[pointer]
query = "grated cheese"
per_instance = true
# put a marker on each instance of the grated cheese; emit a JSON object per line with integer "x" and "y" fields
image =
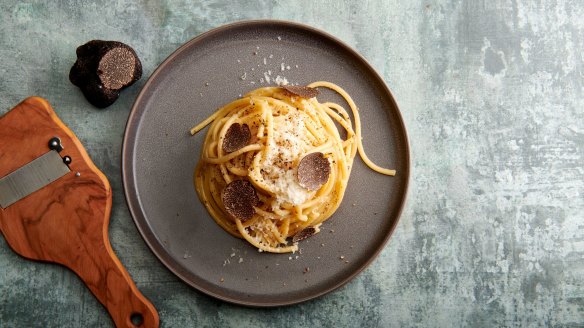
{"x": 284, "y": 149}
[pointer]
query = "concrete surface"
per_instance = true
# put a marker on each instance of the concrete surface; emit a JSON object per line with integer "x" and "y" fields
{"x": 492, "y": 95}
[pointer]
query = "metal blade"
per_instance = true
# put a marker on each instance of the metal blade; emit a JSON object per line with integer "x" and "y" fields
{"x": 31, "y": 177}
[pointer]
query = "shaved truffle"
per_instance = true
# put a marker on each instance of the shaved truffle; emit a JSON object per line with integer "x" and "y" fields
{"x": 236, "y": 137}
{"x": 239, "y": 197}
{"x": 307, "y": 232}
{"x": 313, "y": 171}
{"x": 301, "y": 91}
{"x": 103, "y": 69}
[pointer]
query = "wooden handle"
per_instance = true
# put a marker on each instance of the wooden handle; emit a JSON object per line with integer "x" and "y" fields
{"x": 67, "y": 221}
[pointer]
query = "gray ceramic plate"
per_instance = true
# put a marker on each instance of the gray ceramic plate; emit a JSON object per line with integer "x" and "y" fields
{"x": 159, "y": 157}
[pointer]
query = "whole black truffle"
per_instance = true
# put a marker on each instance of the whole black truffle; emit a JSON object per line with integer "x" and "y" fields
{"x": 103, "y": 69}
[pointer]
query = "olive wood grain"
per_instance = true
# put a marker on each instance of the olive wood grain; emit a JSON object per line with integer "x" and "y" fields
{"x": 67, "y": 221}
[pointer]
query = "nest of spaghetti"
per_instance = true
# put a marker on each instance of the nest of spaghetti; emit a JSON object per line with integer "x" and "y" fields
{"x": 274, "y": 165}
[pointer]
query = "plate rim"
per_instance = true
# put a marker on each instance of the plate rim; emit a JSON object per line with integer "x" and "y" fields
{"x": 133, "y": 201}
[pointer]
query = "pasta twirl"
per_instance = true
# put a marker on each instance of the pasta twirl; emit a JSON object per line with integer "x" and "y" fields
{"x": 283, "y": 128}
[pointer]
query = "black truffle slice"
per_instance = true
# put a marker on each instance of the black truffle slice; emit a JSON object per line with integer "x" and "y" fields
{"x": 313, "y": 171}
{"x": 307, "y": 232}
{"x": 236, "y": 137}
{"x": 239, "y": 197}
{"x": 103, "y": 69}
{"x": 301, "y": 91}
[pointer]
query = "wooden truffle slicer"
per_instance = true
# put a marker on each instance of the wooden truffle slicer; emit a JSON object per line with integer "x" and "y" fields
{"x": 55, "y": 206}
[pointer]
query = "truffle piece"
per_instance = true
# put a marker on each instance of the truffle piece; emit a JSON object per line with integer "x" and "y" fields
{"x": 103, "y": 69}
{"x": 99, "y": 96}
{"x": 307, "y": 232}
{"x": 313, "y": 171}
{"x": 301, "y": 91}
{"x": 239, "y": 197}
{"x": 236, "y": 137}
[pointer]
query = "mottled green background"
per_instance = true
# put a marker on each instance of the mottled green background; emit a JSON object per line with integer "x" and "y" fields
{"x": 492, "y": 95}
